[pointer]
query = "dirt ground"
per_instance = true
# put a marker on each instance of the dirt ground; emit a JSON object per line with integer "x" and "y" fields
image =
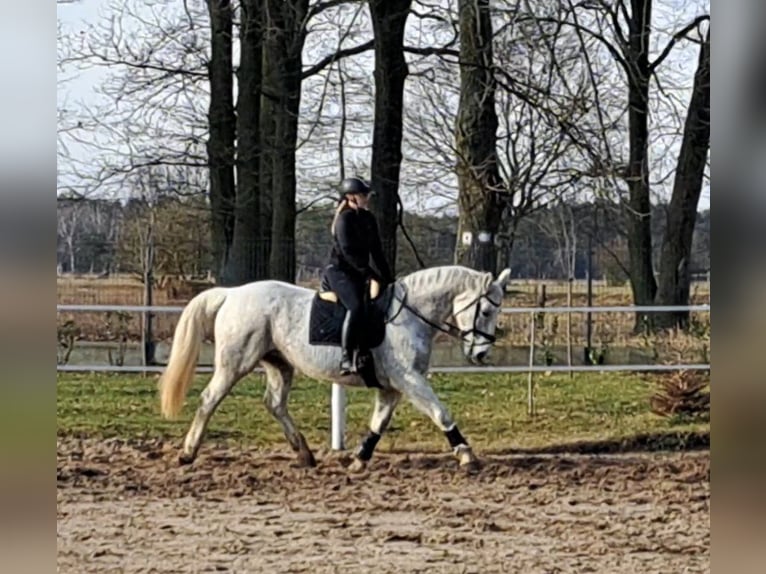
{"x": 128, "y": 507}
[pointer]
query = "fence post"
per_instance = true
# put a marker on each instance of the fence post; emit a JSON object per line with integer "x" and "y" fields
{"x": 338, "y": 415}
{"x": 589, "y": 316}
{"x": 530, "y": 376}
{"x": 147, "y": 335}
{"x": 569, "y": 324}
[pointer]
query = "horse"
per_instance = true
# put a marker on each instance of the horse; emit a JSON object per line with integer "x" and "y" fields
{"x": 266, "y": 323}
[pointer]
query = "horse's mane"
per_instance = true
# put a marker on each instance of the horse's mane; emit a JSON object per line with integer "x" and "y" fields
{"x": 443, "y": 276}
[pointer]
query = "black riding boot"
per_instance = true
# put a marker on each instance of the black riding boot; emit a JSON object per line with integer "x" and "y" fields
{"x": 347, "y": 365}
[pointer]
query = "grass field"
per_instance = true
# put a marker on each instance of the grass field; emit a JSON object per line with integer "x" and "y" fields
{"x": 491, "y": 412}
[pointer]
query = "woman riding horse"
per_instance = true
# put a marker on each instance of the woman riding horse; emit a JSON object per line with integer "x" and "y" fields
{"x": 356, "y": 240}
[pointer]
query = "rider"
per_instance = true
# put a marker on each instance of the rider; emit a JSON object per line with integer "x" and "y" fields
{"x": 355, "y": 241}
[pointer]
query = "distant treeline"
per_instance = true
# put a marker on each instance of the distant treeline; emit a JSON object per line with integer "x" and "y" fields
{"x": 102, "y": 237}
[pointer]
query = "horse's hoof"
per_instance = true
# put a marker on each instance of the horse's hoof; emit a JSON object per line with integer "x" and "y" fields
{"x": 306, "y": 459}
{"x": 357, "y": 465}
{"x": 185, "y": 459}
{"x": 471, "y": 466}
{"x": 468, "y": 461}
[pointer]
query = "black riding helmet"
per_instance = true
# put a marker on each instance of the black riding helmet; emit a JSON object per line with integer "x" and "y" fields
{"x": 353, "y": 185}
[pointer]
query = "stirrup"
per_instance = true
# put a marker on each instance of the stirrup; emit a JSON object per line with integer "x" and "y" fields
{"x": 348, "y": 365}
{"x": 363, "y": 358}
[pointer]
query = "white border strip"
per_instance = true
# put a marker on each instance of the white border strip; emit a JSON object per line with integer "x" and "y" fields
{"x": 510, "y": 310}
{"x": 488, "y": 369}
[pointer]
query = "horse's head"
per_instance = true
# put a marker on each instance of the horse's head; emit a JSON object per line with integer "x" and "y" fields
{"x": 476, "y": 311}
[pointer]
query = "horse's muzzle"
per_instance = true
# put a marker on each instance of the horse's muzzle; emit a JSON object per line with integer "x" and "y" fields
{"x": 478, "y": 357}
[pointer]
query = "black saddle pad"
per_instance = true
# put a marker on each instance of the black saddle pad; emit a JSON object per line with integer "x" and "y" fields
{"x": 326, "y": 321}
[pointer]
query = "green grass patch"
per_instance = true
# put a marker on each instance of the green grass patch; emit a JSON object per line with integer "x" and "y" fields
{"x": 491, "y": 411}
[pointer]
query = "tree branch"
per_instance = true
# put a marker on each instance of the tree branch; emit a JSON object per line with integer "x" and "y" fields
{"x": 313, "y": 202}
{"x": 616, "y": 54}
{"x": 320, "y": 7}
{"x": 676, "y": 37}
{"x": 101, "y": 60}
{"x": 327, "y": 60}
{"x": 433, "y": 50}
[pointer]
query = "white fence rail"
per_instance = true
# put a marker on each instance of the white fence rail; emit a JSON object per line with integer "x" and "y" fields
{"x": 599, "y": 309}
{"x": 338, "y": 398}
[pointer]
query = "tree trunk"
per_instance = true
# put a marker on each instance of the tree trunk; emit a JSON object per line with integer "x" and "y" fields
{"x": 388, "y": 21}
{"x": 283, "y": 39}
{"x": 220, "y": 145}
{"x": 70, "y": 247}
{"x": 639, "y": 206}
{"x": 475, "y": 140}
{"x": 675, "y": 256}
{"x": 247, "y": 260}
{"x": 267, "y": 137}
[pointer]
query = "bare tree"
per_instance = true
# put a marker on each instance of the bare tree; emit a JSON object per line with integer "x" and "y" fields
{"x": 476, "y": 139}
{"x": 559, "y": 223}
{"x": 68, "y": 219}
{"x": 548, "y": 118}
{"x": 222, "y": 129}
{"x": 167, "y": 102}
{"x": 625, "y": 32}
{"x": 388, "y": 21}
{"x": 87, "y": 232}
{"x": 675, "y": 259}
{"x": 544, "y": 137}
{"x": 544, "y": 141}
{"x": 249, "y": 256}
{"x": 283, "y": 38}
{"x": 151, "y": 99}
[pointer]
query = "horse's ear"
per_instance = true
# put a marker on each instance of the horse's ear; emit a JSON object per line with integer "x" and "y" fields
{"x": 504, "y": 277}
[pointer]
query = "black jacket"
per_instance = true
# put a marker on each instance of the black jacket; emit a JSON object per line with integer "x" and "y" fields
{"x": 356, "y": 241}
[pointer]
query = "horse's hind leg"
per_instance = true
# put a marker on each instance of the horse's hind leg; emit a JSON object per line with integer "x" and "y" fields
{"x": 385, "y": 404}
{"x": 279, "y": 378}
{"x": 219, "y": 386}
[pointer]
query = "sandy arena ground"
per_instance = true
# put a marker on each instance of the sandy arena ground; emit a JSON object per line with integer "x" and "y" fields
{"x": 128, "y": 507}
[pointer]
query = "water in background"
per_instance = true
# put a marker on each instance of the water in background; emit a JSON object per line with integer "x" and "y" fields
{"x": 444, "y": 355}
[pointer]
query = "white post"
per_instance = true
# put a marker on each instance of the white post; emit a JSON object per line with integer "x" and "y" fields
{"x": 338, "y": 414}
{"x": 530, "y": 377}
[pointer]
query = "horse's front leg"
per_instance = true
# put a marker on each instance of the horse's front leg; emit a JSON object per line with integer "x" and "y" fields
{"x": 385, "y": 403}
{"x": 417, "y": 389}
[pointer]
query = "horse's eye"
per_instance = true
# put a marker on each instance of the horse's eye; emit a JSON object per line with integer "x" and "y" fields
{"x": 486, "y": 313}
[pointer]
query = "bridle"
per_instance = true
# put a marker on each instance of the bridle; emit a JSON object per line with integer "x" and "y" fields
{"x": 447, "y": 327}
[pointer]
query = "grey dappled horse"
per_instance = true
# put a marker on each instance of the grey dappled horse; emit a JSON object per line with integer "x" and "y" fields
{"x": 266, "y": 323}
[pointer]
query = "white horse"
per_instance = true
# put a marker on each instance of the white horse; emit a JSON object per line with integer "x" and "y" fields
{"x": 266, "y": 323}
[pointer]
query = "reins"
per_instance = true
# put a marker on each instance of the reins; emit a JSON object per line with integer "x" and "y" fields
{"x": 448, "y": 328}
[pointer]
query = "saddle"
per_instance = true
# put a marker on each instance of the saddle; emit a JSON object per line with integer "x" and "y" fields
{"x": 328, "y": 313}
{"x": 373, "y": 292}
{"x": 326, "y": 323}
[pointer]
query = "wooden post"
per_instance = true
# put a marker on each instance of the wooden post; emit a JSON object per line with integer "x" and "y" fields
{"x": 542, "y": 299}
{"x": 147, "y": 338}
{"x": 589, "y": 316}
{"x": 530, "y": 378}
{"x": 569, "y": 326}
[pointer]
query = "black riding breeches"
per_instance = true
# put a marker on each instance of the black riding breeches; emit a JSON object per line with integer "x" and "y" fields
{"x": 350, "y": 292}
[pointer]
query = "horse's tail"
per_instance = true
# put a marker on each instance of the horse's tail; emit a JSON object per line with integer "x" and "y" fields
{"x": 196, "y": 320}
